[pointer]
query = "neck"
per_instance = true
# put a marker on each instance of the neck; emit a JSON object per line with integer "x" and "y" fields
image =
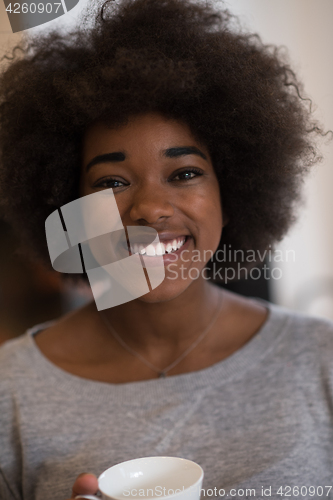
{"x": 171, "y": 324}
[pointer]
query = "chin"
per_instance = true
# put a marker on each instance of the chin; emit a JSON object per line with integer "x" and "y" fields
{"x": 166, "y": 291}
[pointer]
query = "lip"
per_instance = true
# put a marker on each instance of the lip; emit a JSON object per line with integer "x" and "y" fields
{"x": 171, "y": 236}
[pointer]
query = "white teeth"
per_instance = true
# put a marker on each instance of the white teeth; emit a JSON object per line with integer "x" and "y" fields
{"x": 150, "y": 250}
{"x": 159, "y": 249}
{"x": 180, "y": 244}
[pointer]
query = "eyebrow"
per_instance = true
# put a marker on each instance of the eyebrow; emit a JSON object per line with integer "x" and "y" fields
{"x": 120, "y": 156}
{"x": 106, "y": 158}
{"x": 183, "y": 151}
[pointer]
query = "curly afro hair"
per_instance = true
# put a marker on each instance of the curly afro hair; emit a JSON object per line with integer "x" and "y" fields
{"x": 183, "y": 59}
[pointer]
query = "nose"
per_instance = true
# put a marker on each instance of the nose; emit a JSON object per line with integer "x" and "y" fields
{"x": 151, "y": 204}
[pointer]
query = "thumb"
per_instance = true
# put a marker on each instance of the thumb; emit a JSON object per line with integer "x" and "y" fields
{"x": 85, "y": 484}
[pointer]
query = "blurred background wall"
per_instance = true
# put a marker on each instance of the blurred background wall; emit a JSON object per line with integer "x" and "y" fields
{"x": 304, "y": 277}
{"x": 304, "y": 27}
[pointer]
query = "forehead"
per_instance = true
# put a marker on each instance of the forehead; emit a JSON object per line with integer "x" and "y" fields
{"x": 149, "y": 133}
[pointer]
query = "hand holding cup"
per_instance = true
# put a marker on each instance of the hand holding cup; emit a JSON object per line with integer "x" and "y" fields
{"x": 151, "y": 478}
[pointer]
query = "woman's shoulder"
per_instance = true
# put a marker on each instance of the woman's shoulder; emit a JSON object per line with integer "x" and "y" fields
{"x": 17, "y": 353}
{"x": 301, "y": 323}
{"x": 306, "y": 333}
{"x": 10, "y": 350}
{"x": 283, "y": 320}
{"x": 16, "y": 362}
{"x": 23, "y": 352}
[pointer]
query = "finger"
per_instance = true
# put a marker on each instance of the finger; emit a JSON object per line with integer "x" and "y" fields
{"x": 85, "y": 484}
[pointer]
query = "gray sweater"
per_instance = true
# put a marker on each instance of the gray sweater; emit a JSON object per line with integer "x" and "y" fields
{"x": 262, "y": 418}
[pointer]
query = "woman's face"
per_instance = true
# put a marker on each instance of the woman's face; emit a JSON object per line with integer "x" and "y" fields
{"x": 162, "y": 178}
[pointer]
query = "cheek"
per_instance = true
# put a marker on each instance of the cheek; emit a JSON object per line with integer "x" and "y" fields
{"x": 207, "y": 208}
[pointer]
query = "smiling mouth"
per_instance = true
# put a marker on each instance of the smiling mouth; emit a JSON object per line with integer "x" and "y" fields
{"x": 161, "y": 248}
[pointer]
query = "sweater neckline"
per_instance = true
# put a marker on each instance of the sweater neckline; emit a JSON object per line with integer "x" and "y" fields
{"x": 231, "y": 368}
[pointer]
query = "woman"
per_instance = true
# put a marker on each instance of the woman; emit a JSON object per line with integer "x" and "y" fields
{"x": 202, "y": 136}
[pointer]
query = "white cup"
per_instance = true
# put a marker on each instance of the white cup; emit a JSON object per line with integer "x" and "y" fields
{"x": 150, "y": 478}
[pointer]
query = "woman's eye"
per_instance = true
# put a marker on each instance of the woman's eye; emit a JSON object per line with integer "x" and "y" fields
{"x": 187, "y": 174}
{"x": 110, "y": 183}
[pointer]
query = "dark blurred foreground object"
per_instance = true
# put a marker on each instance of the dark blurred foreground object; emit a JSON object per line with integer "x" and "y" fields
{"x": 29, "y": 294}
